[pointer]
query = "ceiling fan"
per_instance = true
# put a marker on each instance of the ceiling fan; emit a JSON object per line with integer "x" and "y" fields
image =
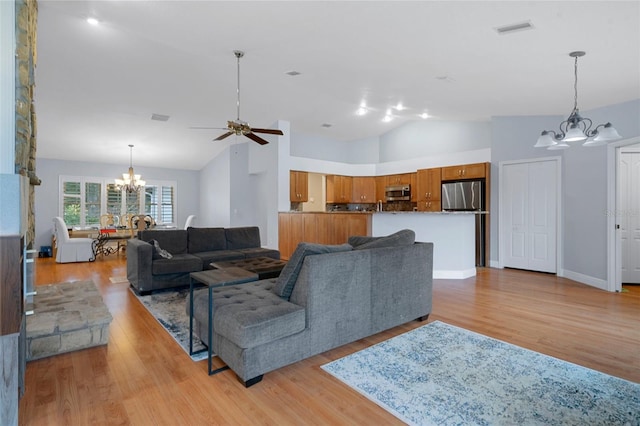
{"x": 239, "y": 127}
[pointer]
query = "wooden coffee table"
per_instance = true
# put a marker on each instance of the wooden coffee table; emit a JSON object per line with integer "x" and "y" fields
{"x": 213, "y": 278}
{"x": 265, "y": 267}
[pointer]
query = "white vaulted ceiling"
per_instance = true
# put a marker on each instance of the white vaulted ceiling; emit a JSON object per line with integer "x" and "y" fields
{"x": 97, "y": 86}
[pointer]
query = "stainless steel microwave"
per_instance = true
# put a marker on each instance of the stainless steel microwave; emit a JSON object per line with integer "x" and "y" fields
{"x": 398, "y": 193}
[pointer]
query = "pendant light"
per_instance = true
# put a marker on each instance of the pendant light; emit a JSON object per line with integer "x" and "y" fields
{"x": 130, "y": 181}
{"x": 577, "y": 128}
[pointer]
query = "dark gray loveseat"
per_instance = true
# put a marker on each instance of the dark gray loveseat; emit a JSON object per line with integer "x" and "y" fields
{"x": 326, "y": 296}
{"x": 192, "y": 250}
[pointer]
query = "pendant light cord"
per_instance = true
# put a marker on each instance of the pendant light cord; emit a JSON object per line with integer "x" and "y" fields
{"x": 575, "y": 84}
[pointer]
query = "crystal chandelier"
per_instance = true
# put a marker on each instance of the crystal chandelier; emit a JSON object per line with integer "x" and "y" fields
{"x": 577, "y": 128}
{"x": 130, "y": 181}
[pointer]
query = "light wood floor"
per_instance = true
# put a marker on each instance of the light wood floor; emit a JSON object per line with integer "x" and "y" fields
{"x": 143, "y": 377}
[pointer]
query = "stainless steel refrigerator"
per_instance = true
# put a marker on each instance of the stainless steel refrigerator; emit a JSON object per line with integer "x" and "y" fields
{"x": 468, "y": 196}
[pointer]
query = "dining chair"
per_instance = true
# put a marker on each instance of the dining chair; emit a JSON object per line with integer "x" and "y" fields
{"x": 140, "y": 222}
{"x": 189, "y": 221}
{"x": 71, "y": 249}
{"x": 107, "y": 220}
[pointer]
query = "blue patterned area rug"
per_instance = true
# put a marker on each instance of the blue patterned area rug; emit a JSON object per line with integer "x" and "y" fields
{"x": 168, "y": 307}
{"x": 439, "y": 374}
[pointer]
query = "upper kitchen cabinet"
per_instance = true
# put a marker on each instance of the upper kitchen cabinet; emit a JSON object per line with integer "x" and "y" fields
{"x": 427, "y": 190}
{"x": 381, "y": 183}
{"x": 364, "y": 190}
{"x": 339, "y": 189}
{"x": 400, "y": 179}
{"x": 465, "y": 171}
{"x": 298, "y": 186}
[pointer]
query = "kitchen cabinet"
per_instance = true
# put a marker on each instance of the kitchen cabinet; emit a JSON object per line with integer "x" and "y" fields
{"x": 427, "y": 191}
{"x": 364, "y": 190}
{"x": 465, "y": 171}
{"x": 339, "y": 189}
{"x": 400, "y": 179}
{"x": 381, "y": 183}
{"x": 321, "y": 228}
{"x": 298, "y": 186}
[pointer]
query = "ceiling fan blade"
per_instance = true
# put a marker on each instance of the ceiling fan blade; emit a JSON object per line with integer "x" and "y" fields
{"x": 256, "y": 138}
{"x": 269, "y": 131}
{"x": 222, "y": 136}
{"x": 207, "y": 128}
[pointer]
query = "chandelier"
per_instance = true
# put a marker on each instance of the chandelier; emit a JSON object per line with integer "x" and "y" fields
{"x": 577, "y": 128}
{"x": 130, "y": 181}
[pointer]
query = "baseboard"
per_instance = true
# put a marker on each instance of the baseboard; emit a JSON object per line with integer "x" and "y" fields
{"x": 494, "y": 264}
{"x": 454, "y": 275}
{"x": 585, "y": 279}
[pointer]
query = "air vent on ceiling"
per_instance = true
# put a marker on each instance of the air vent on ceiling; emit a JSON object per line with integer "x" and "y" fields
{"x": 514, "y": 27}
{"x": 326, "y": 125}
{"x": 293, "y": 73}
{"x": 159, "y": 117}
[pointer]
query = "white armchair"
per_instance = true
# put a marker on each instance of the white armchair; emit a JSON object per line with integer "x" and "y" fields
{"x": 71, "y": 249}
{"x": 189, "y": 221}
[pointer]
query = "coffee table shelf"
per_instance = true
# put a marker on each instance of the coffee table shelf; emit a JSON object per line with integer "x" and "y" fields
{"x": 213, "y": 278}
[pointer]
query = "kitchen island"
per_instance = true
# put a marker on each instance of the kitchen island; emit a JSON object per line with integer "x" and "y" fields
{"x": 453, "y": 234}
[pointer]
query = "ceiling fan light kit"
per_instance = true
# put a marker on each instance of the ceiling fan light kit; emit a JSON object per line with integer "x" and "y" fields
{"x": 577, "y": 128}
{"x": 241, "y": 128}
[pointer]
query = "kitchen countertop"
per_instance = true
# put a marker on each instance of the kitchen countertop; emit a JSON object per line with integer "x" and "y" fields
{"x": 393, "y": 212}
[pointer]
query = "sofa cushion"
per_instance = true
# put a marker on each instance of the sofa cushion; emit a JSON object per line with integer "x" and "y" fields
{"x": 172, "y": 240}
{"x": 251, "y": 315}
{"x": 206, "y": 239}
{"x": 403, "y": 237}
{"x": 289, "y": 274}
{"x": 179, "y": 263}
{"x": 242, "y": 237}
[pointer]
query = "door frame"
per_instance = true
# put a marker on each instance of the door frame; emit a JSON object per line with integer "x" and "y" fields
{"x": 614, "y": 245}
{"x": 502, "y": 233}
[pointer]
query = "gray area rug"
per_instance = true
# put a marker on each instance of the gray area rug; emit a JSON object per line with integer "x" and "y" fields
{"x": 168, "y": 307}
{"x": 439, "y": 374}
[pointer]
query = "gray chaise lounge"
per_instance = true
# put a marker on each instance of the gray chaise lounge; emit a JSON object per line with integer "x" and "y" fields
{"x": 335, "y": 298}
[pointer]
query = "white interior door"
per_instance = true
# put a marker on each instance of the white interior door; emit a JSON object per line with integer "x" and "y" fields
{"x": 629, "y": 216}
{"x": 529, "y": 215}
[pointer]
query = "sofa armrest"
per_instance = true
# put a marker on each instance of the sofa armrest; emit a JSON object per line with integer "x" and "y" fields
{"x": 139, "y": 263}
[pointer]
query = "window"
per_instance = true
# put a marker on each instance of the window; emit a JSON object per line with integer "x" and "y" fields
{"x": 84, "y": 199}
{"x": 158, "y": 203}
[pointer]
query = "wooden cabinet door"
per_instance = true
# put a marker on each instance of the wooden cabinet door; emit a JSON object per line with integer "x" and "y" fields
{"x": 399, "y": 179}
{"x": 290, "y": 233}
{"x": 465, "y": 171}
{"x": 364, "y": 190}
{"x": 339, "y": 189}
{"x": 298, "y": 186}
{"x": 428, "y": 189}
{"x": 413, "y": 178}
{"x": 381, "y": 183}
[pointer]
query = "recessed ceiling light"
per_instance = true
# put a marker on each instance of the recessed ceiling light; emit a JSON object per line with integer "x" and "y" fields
{"x": 93, "y": 21}
{"x": 159, "y": 117}
{"x": 293, "y": 73}
{"x": 388, "y": 117}
{"x": 399, "y": 107}
{"x": 424, "y": 115}
{"x": 520, "y": 26}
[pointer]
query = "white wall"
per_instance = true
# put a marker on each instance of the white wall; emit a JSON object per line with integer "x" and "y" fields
{"x": 215, "y": 192}
{"x": 47, "y": 194}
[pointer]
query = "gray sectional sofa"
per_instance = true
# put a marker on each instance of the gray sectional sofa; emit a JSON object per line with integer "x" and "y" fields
{"x": 190, "y": 250}
{"x": 325, "y": 297}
